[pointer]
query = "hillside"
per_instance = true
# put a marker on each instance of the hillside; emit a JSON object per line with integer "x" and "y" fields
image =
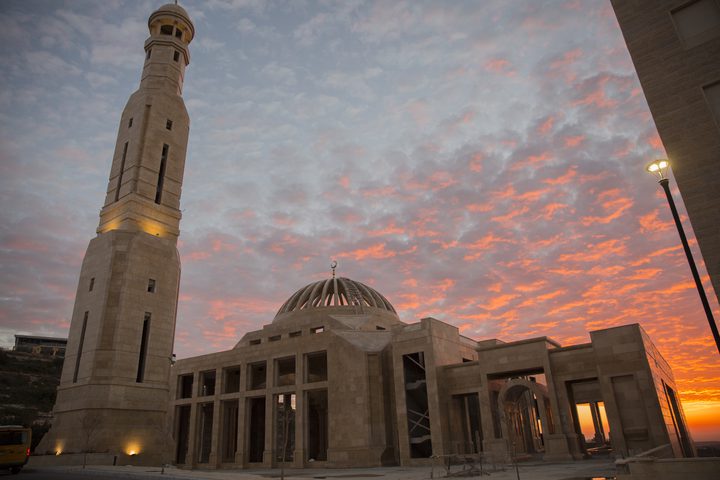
{"x": 28, "y": 384}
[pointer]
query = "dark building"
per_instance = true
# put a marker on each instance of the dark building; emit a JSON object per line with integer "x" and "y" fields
{"x": 43, "y": 345}
{"x": 675, "y": 46}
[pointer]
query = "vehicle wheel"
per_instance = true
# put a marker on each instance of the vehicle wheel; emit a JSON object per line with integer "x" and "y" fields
{"x": 15, "y": 470}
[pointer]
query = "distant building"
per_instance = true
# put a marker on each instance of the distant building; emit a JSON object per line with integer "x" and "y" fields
{"x": 52, "y": 346}
{"x": 675, "y": 46}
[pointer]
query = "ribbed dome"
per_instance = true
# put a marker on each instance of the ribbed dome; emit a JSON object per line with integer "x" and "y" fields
{"x": 173, "y": 11}
{"x": 335, "y": 292}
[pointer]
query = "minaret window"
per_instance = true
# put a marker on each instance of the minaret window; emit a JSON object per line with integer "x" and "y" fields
{"x": 178, "y": 33}
{"x": 130, "y": 122}
{"x": 166, "y": 29}
{"x": 80, "y": 347}
{"x": 147, "y": 54}
{"x": 161, "y": 174}
{"x": 168, "y": 124}
{"x": 92, "y": 284}
{"x": 143, "y": 347}
{"x": 122, "y": 170}
{"x": 151, "y": 285}
{"x": 176, "y": 56}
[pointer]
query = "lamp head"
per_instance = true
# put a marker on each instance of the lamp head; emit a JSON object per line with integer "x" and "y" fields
{"x": 658, "y": 167}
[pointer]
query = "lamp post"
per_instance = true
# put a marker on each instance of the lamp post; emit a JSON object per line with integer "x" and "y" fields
{"x": 659, "y": 167}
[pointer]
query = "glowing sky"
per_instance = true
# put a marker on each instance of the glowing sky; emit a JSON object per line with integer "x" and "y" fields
{"x": 478, "y": 162}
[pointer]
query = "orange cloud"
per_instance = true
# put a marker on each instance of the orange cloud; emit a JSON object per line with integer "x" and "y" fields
{"x": 376, "y": 251}
{"x": 546, "y": 125}
{"x": 500, "y": 66}
{"x": 574, "y": 141}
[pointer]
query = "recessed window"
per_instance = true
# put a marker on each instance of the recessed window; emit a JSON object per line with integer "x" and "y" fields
{"x": 255, "y": 342}
{"x": 130, "y": 122}
{"x": 697, "y": 22}
{"x": 257, "y": 376}
{"x": 185, "y": 383}
{"x": 378, "y": 327}
{"x": 147, "y": 54}
{"x": 285, "y": 371}
{"x": 92, "y": 284}
{"x": 274, "y": 338}
{"x": 207, "y": 383}
{"x": 168, "y": 124}
{"x": 316, "y": 367}
{"x": 151, "y": 286}
{"x": 295, "y": 334}
{"x": 142, "y": 357}
{"x": 317, "y": 330}
{"x": 161, "y": 174}
{"x": 176, "y": 56}
{"x": 712, "y": 95}
{"x": 166, "y": 29}
{"x": 178, "y": 33}
{"x": 231, "y": 382}
{"x": 80, "y": 347}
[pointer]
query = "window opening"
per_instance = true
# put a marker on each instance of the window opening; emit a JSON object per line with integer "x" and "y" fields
{"x": 80, "y": 347}
{"x": 317, "y": 330}
{"x": 178, "y": 33}
{"x": 256, "y": 429}
{"x": 92, "y": 284}
{"x": 143, "y": 347}
{"x": 295, "y": 334}
{"x": 166, "y": 29}
{"x": 130, "y": 122}
{"x": 182, "y": 433}
{"x": 207, "y": 383}
{"x": 378, "y": 327}
{"x": 176, "y": 56}
{"x": 161, "y": 174}
{"x": 232, "y": 380}
{"x": 229, "y": 430}
{"x": 274, "y": 338}
{"x": 168, "y": 124}
{"x": 317, "y": 425}
{"x": 285, "y": 371}
{"x": 122, "y": 170}
{"x": 416, "y": 404}
{"x": 185, "y": 386}
{"x": 147, "y": 54}
{"x": 151, "y": 285}
{"x": 467, "y": 423}
{"x": 257, "y": 376}
{"x": 316, "y": 367}
{"x": 255, "y": 342}
{"x": 205, "y": 432}
{"x": 285, "y": 427}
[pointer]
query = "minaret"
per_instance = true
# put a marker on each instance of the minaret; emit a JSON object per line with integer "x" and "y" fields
{"x": 113, "y": 393}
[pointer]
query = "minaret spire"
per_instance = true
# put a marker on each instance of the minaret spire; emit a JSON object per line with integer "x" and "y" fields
{"x": 114, "y": 386}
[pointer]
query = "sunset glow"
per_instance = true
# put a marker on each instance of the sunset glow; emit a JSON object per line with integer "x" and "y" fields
{"x": 483, "y": 163}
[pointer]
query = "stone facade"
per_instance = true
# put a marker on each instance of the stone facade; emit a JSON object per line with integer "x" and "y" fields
{"x": 675, "y": 46}
{"x": 396, "y": 394}
{"x": 113, "y": 391}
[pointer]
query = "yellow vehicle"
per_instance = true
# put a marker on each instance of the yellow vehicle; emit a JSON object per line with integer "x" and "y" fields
{"x": 14, "y": 447}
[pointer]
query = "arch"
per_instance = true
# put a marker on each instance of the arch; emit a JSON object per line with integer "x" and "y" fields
{"x": 523, "y": 408}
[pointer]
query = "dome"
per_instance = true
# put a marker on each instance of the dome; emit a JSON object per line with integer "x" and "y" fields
{"x": 335, "y": 292}
{"x": 176, "y": 11}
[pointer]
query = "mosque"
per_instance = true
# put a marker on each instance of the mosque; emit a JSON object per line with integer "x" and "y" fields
{"x": 336, "y": 379}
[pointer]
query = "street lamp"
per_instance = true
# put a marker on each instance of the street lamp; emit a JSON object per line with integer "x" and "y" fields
{"x": 659, "y": 168}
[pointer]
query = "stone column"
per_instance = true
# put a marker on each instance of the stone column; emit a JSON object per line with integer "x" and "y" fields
{"x": 241, "y": 433}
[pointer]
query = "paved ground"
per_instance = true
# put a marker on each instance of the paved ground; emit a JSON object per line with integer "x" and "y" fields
{"x": 580, "y": 470}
